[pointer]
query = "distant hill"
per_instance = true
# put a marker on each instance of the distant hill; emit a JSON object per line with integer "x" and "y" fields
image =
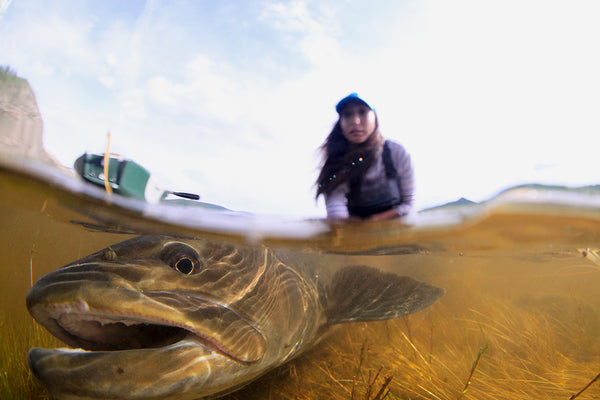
{"x": 591, "y": 189}
{"x": 458, "y": 203}
{"x": 584, "y": 189}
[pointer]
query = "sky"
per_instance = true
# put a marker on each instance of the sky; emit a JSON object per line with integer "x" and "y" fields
{"x": 231, "y": 99}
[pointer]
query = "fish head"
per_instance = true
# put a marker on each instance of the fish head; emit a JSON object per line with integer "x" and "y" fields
{"x": 155, "y": 317}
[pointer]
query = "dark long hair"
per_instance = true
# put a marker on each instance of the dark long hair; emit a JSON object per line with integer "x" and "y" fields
{"x": 345, "y": 161}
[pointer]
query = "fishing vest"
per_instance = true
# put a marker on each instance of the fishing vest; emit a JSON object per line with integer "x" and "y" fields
{"x": 378, "y": 195}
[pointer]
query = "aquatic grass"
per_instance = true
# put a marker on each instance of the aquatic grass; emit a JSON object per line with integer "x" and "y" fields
{"x": 528, "y": 356}
{"x": 576, "y": 395}
{"x": 473, "y": 369}
{"x": 16, "y": 380}
{"x": 497, "y": 349}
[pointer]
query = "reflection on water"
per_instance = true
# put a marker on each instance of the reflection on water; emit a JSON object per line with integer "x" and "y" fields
{"x": 520, "y": 293}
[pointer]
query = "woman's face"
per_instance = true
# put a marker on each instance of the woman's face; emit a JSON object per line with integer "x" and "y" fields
{"x": 358, "y": 122}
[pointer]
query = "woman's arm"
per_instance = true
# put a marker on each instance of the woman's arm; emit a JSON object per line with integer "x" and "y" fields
{"x": 405, "y": 178}
{"x": 336, "y": 203}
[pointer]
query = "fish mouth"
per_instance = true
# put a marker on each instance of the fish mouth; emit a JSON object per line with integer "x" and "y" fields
{"x": 94, "y": 330}
{"x": 139, "y": 351}
{"x": 213, "y": 327}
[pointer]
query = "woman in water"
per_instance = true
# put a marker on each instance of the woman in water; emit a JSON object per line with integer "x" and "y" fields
{"x": 364, "y": 176}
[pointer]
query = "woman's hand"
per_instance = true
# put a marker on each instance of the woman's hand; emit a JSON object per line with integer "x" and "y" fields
{"x": 389, "y": 214}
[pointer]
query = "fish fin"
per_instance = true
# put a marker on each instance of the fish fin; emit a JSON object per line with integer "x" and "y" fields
{"x": 362, "y": 293}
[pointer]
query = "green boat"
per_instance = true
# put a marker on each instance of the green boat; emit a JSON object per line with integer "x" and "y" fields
{"x": 130, "y": 179}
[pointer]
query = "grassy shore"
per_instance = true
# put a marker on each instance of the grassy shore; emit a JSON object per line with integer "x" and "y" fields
{"x": 8, "y": 75}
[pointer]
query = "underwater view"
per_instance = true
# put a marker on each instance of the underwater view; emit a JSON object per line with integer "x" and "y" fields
{"x": 506, "y": 300}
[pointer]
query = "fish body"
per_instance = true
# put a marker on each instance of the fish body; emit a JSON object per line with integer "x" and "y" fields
{"x": 158, "y": 318}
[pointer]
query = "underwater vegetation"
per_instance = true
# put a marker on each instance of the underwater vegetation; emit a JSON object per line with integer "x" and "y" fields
{"x": 16, "y": 381}
{"x": 512, "y": 360}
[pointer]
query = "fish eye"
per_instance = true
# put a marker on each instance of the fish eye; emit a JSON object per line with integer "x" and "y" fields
{"x": 184, "y": 265}
{"x": 181, "y": 257}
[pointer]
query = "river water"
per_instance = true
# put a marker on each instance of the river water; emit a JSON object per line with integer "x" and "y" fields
{"x": 520, "y": 318}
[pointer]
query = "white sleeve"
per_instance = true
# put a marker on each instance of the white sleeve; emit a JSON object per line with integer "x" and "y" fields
{"x": 336, "y": 202}
{"x": 406, "y": 178}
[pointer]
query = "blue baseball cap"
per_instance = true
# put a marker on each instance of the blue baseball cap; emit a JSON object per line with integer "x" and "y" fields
{"x": 351, "y": 98}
